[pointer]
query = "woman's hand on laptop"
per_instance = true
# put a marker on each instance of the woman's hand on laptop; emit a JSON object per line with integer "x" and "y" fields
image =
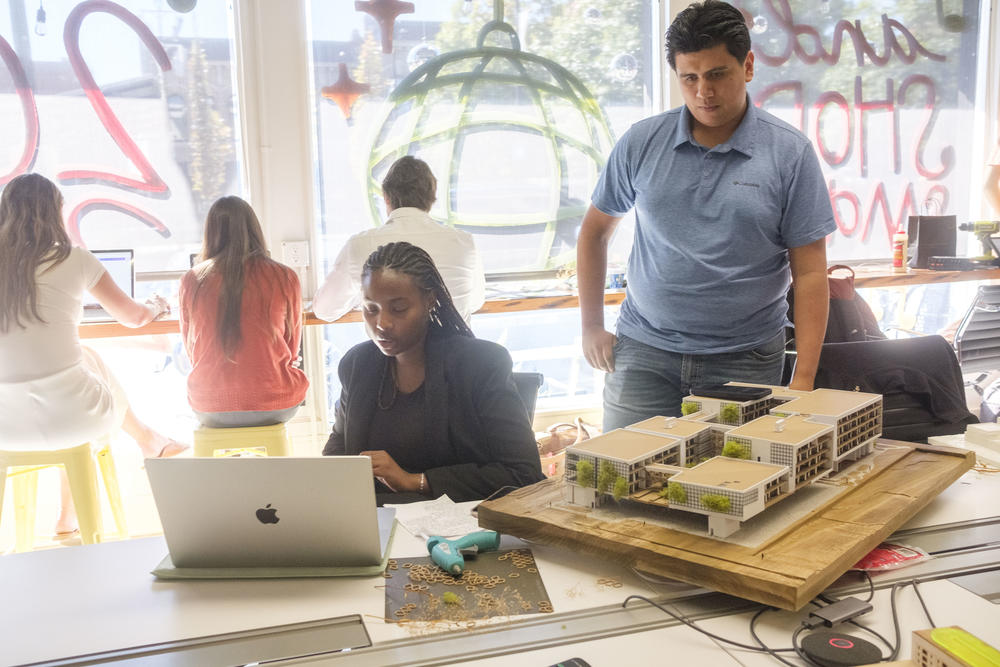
{"x": 387, "y": 471}
{"x": 159, "y": 305}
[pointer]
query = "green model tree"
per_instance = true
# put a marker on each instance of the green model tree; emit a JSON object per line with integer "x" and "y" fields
{"x": 729, "y": 413}
{"x": 676, "y": 493}
{"x": 688, "y": 408}
{"x": 585, "y": 473}
{"x": 735, "y": 450}
{"x": 716, "y": 503}
{"x": 605, "y": 477}
{"x": 621, "y": 488}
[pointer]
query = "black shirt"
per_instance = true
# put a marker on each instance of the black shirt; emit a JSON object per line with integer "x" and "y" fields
{"x": 399, "y": 430}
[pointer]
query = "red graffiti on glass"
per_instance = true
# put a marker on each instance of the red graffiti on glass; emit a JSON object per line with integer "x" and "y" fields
{"x": 151, "y": 183}
{"x": 948, "y": 157}
{"x": 90, "y": 205}
{"x": 805, "y": 42}
{"x": 29, "y": 109}
{"x": 879, "y": 202}
{"x": 851, "y": 116}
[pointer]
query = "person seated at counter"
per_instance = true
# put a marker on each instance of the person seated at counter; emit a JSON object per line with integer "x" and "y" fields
{"x": 409, "y": 190}
{"x": 55, "y": 393}
{"x": 241, "y": 320}
{"x": 434, "y": 407}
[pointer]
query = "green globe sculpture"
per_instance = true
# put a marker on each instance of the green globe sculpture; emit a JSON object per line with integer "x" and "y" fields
{"x": 474, "y": 113}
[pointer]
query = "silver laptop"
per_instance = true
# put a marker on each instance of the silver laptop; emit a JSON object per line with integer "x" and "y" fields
{"x": 120, "y": 265}
{"x": 271, "y": 512}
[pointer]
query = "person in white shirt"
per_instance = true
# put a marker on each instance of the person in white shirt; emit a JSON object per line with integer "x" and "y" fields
{"x": 54, "y": 392}
{"x": 409, "y": 190}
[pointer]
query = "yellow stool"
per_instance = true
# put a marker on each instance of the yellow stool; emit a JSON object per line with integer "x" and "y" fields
{"x": 23, "y": 468}
{"x": 241, "y": 441}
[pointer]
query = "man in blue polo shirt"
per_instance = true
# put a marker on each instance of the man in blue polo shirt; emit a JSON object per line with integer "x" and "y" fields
{"x": 730, "y": 206}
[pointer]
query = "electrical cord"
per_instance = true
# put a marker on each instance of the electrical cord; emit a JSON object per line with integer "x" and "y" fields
{"x": 895, "y": 646}
{"x": 895, "y": 619}
{"x": 922, "y": 603}
{"x": 773, "y": 651}
{"x": 873, "y": 632}
{"x": 761, "y": 647}
{"x": 871, "y": 585}
{"x": 798, "y": 649}
{"x": 691, "y": 625}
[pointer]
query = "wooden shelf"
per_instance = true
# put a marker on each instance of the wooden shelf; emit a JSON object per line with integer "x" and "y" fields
{"x": 882, "y": 276}
{"x": 879, "y": 275}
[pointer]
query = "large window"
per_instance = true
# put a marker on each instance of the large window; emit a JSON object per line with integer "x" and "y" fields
{"x": 129, "y": 108}
{"x": 515, "y": 116}
{"x": 886, "y": 91}
{"x": 514, "y": 105}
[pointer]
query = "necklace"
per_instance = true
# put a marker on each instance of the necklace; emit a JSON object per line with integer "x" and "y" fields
{"x": 388, "y": 369}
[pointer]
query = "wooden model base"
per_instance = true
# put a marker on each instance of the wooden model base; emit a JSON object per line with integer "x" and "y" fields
{"x": 786, "y": 571}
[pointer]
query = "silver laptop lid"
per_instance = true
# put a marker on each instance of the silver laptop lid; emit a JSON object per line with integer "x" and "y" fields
{"x": 267, "y": 511}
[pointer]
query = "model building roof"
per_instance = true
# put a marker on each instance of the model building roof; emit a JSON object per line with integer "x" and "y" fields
{"x": 727, "y": 473}
{"x": 830, "y": 402}
{"x": 624, "y": 445}
{"x": 671, "y": 426}
{"x": 794, "y": 430}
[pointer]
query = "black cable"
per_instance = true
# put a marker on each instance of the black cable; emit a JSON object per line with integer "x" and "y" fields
{"x": 922, "y": 604}
{"x": 798, "y": 650}
{"x": 773, "y": 651}
{"x": 895, "y": 620}
{"x": 867, "y": 629}
{"x": 691, "y": 625}
{"x": 871, "y": 585}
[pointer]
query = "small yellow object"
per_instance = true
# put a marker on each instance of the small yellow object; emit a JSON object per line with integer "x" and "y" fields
{"x": 450, "y": 598}
{"x": 967, "y": 648}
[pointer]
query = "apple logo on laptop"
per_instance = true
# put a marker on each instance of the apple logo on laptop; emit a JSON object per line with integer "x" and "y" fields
{"x": 268, "y": 514}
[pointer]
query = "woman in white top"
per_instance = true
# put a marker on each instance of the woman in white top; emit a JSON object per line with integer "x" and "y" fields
{"x": 54, "y": 393}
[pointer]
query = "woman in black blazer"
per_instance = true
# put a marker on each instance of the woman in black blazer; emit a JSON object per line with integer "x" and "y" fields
{"x": 434, "y": 407}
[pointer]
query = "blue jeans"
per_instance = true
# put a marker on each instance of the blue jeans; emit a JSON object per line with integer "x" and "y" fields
{"x": 649, "y": 382}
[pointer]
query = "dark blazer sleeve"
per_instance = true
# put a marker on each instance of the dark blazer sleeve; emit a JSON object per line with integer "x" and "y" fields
{"x": 488, "y": 427}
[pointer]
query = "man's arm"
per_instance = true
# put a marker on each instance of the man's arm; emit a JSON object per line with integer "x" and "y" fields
{"x": 339, "y": 292}
{"x": 591, "y": 267}
{"x": 812, "y": 305}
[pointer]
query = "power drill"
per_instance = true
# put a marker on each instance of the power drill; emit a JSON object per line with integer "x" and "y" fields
{"x": 984, "y": 231}
{"x": 447, "y": 554}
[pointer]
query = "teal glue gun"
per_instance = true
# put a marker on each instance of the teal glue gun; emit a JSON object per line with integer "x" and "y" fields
{"x": 448, "y": 554}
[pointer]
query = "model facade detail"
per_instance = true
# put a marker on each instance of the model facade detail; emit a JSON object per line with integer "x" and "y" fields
{"x": 738, "y": 449}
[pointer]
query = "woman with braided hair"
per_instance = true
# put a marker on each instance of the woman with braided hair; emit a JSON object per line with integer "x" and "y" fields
{"x": 434, "y": 407}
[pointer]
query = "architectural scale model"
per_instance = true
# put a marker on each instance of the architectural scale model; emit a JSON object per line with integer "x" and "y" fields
{"x": 738, "y": 449}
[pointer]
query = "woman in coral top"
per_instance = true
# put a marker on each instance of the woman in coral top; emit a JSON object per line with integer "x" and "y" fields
{"x": 241, "y": 319}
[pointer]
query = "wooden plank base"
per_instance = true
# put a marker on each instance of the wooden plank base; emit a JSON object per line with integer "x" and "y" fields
{"x": 787, "y": 570}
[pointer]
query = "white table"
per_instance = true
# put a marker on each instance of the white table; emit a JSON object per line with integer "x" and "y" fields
{"x": 79, "y": 600}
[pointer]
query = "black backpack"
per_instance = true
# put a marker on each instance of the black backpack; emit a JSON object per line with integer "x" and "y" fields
{"x": 851, "y": 318}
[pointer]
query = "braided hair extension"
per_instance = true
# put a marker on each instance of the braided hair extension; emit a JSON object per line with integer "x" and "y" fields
{"x": 415, "y": 262}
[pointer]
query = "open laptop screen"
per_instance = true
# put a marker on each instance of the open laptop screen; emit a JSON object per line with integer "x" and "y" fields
{"x": 119, "y": 265}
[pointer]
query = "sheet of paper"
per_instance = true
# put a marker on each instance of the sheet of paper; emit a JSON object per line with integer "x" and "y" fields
{"x": 441, "y": 517}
